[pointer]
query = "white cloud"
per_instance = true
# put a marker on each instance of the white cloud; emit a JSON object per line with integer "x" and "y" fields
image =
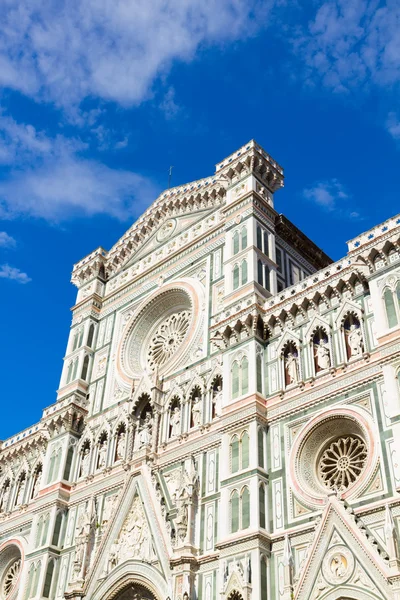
{"x": 7, "y": 241}
{"x": 7, "y": 272}
{"x": 50, "y": 178}
{"x": 68, "y": 50}
{"x": 332, "y": 197}
{"x": 393, "y": 125}
{"x": 352, "y": 43}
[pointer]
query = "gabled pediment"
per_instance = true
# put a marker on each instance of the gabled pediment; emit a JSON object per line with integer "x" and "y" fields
{"x": 341, "y": 556}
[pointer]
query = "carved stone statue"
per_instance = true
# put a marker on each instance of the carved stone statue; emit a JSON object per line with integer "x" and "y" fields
{"x": 292, "y": 367}
{"x": 108, "y": 509}
{"x": 102, "y": 456}
{"x": 196, "y": 411}
{"x": 20, "y": 492}
{"x": 36, "y": 484}
{"x": 355, "y": 340}
{"x": 217, "y": 402}
{"x": 175, "y": 422}
{"x": 85, "y": 525}
{"x": 146, "y": 431}
{"x": 85, "y": 462}
{"x": 322, "y": 355}
{"x": 121, "y": 446}
{"x": 5, "y": 494}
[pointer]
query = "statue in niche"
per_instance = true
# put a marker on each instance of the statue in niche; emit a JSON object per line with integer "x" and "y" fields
{"x": 217, "y": 402}
{"x": 121, "y": 446}
{"x": 36, "y": 483}
{"x": 144, "y": 437}
{"x": 21, "y": 491}
{"x": 196, "y": 411}
{"x": 102, "y": 456}
{"x": 175, "y": 422}
{"x": 84, "y": 527}
{"x": 292, "y": 367}
{"x": 355, "y": 340}
{"x": 322, "y": 354}
{"x": 5, "y": 495}
{"x": 85, "y": 462}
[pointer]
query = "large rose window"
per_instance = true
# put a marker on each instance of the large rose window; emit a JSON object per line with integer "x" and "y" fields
{"x": 342, "y": 462}
{"x": 336, "y": 450}
{"x": 162, "y": 330}
{"x": 168, "y": 338}
{"x": 11, "y": 577}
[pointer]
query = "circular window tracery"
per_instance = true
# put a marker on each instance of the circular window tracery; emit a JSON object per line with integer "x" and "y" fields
{"x": 342, "y": 462}
{"x": 168, "y": 338}
{"x": 10, "y": 577}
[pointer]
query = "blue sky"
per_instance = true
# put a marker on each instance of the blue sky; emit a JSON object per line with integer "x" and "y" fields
{"x": 98, "y": 99}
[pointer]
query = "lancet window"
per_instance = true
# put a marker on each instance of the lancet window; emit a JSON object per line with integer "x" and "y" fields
{"x": 239, "y": 452}
{"x": 240, "y": 509}
{"x": 240, "y": 377}
{"x": 391, "y": 297}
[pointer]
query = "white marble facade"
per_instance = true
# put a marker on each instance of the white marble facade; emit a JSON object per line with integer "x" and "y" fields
{"x": 227, "y": 421}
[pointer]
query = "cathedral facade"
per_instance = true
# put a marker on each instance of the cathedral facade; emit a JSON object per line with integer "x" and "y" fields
{"x": 227, "y": 425}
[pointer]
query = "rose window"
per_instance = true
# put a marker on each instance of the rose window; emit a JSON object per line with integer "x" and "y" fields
{"x": 10, "y": 577}
{"x": 342, "y": 462}
{"x": 168, "y": 339}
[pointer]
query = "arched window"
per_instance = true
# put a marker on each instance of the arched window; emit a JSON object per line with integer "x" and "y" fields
{"x": 244, "y": 272}
{"x": 260, "y": 272}
{"x": 76, "y": 340}
{"x": 80, "y": 338}
{"x": 234, "y": 454}
{"x": 69, "y": 372}
{"x": 57, "y": 529}
{"x": 260, "y": 443}
{"x": 235, "y": 380}
{"x": 236, "y": 242}
{"x": 90, "y": 336}
{"x": 85, "y": 368}
{"x": 235, "y": 281}
{"x": 240, "y": 377}
{"x": 29, "y": 583}
{"x": 245, "y": 375}
{"x": 52, "y": 464}
{"x": 266, "y": 243}
{"x": 234, "y": 506}
{"x": 36, "y": 579}
{"x": 48, "y": 579}
{"x": 263, "y": 579}
{"x": 245, "y": 508}
{"x": 68, "y": 463}
{"x": 75, "y": 371}
{"x": 244, "y": 237}
{"x": 244, "y": 447}
{"x": 46, "y": 523}
{"x": 259, "y": 373}
{"x": 390, "y": 306}
{"x": 259, "y": 238}
{"x": 39, "y": 532}
{"x": 261, "y": 496}
{"x": 266, "y": 278}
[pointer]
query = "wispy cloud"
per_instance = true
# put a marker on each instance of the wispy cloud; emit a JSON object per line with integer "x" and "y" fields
{"x": 7, "y": 241}
{"x": 393, "y": 125}
{"x": 332, "y": 197}
{"x": 7, "y": 272}
{"x": 352, "y": 44}
{"x": 50, "y": 177}
{"x": 65, "y": 51}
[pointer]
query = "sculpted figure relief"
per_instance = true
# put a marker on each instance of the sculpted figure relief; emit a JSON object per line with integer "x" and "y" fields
{"x": 83, "y": 532}
{"x": 5, "y": 494}
{"x": 292, "y": 367}
{"x": 85, "y": 462}
{"x": 196, "y": 411}
{"x": 121, "y": 446}
{"x": 134, "y": 539}
{"x": 21, "y": 491}
{"x": 102, "y": 457}
{"x": 144, "y": 437}
{"x": 36, "y": 483}
{"x": 323, "y": 355}
{"x": 175, "y": 422}
{"x": 355, "y": 340}
{"x": 217, "y": 402}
